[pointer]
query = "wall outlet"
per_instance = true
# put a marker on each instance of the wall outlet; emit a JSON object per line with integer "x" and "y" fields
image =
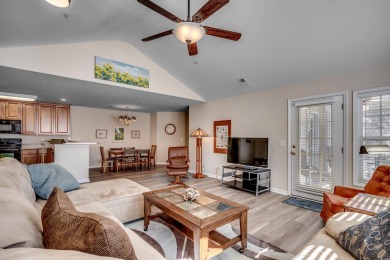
{"x": 282, "y": 143}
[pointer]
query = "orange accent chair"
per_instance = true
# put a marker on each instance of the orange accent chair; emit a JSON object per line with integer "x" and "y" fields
{"x": 379, "y": 185}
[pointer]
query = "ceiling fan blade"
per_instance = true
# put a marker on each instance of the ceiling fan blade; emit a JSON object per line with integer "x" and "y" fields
{"x": 234, "y": 36}
{"x": 156, "y": 36}
{"x": 192, "y": 49}
{"x": 160, "y": 10}
{"x": 208, "y": 9}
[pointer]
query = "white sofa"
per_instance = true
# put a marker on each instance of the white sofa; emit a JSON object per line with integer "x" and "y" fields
{"x": 323, "y": 245}
{"x": 20, "y": 214}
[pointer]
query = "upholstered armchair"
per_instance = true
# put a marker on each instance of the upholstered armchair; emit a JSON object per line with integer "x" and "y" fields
{"x": 379, "y": 185}
{"x": 178, "y": 162}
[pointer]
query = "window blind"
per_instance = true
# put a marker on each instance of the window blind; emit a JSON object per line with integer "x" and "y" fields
{"x": 314, "y": 153}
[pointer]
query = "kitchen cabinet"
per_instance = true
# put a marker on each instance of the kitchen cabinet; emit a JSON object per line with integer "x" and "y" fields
{"x": 30, "y": 118}
{"x": 53, "y": 119}
{"x": 10, "y": 109}
{"x": 34, "y": 156}
{"x": 46, "y": 117}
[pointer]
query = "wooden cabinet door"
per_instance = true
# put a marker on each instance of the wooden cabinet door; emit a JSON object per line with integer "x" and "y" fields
{"x": 46, "y": 119}
{"x": 30, "y": 156}
{"x": 2, "y": 109}
{"x": 13, "y": 110}
{"x": 29, "y": 118}
{"x": 62, "y": 120}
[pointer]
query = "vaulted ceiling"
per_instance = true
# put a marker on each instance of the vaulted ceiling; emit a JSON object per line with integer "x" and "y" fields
{"x": 283, "y": 42}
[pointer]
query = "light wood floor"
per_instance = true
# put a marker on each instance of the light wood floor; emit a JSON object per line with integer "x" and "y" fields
{"x": 287, "y": 227}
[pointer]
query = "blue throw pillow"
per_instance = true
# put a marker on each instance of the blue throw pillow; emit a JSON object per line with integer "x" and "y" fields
{"x": 369, "y": 239}
{"x": 45, "y": 177}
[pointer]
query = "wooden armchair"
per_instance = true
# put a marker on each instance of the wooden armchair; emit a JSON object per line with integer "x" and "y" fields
{"x": 153, "y": 155}
{"x": 379, "y": 185}
{"x": 106, "y": 161}
{"x": 178, "y": 163}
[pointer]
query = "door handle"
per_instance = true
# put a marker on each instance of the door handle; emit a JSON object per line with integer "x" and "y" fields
{"x": 293, "y": 153}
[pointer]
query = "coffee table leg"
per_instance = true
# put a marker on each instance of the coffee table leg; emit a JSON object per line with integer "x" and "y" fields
{"x": 201, "y": 244}
{"x": 243, "y": 230}
{"x": 147, "y": 212}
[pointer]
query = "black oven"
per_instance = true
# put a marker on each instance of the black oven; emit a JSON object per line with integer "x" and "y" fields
{"x": 11, "y": 147}
{"x": 10, "y": 126}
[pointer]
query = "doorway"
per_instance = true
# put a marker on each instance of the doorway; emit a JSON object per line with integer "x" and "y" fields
{"x": 316, "y": 145}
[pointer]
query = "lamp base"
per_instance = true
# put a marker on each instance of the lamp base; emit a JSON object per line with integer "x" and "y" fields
{"x": 198, "y": 175}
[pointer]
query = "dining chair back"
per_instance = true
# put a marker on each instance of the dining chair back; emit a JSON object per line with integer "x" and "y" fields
{"x": 106, "y": 161}
{"x": 130, "y": 159}
{"x": 144, "y": 157}
{"x": 153, "y": 155}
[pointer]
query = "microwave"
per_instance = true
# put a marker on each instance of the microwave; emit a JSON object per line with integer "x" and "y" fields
{"x": 10, "y": 126}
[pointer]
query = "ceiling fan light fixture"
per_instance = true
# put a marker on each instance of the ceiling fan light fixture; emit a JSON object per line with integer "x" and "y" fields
{"x": 189, "y": 32}
{"x": 59, "y": 3}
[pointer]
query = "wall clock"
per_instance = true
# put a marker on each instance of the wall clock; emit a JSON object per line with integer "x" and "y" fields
{"x": 170, "y": 129}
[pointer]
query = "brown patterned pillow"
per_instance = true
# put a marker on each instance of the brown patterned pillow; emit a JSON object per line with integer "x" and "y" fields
{"x": 67, "y": 229}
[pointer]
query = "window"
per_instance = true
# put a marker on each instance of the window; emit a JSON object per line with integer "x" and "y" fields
{"x": 371, "y": 127}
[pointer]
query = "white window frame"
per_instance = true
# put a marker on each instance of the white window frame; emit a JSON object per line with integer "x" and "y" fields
{"x": 356, "y": 146}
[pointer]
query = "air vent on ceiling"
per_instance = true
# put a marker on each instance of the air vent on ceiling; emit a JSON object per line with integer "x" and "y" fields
{"x": 243, "y": 82}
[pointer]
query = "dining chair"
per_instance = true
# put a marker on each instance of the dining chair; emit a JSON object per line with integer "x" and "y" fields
{"x": 130, "y": 159}
{"x": 106, "y": 161}
{"x": 144, "y": 157}
{"x": 153, "y": 155}
{"x": 117, "y": 154}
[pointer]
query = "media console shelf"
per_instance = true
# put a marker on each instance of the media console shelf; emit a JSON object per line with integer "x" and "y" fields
{"x": 248, "y": 178}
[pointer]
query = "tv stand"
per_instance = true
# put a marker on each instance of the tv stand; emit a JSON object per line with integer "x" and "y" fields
{"x": 249, "y": 178}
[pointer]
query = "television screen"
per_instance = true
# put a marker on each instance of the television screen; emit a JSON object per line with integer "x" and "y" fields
{"x": 248, "y": 151}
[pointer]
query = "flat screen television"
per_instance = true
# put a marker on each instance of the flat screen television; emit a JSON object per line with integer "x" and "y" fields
{"x": 248, "y": 151}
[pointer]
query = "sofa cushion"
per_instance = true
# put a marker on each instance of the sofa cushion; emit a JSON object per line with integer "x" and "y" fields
{"x": 45, "y": 177}
{"x": 85, "y": 232}
{"x": 42, "y": 253}
{"x": 379, "y": 184}
{"x": 14, "y": 175}
{"x": 334, "y": 202}
{"x": 343, "y": 220}
{"x": 20, "y": 222}
{"x": 369, "y": 239}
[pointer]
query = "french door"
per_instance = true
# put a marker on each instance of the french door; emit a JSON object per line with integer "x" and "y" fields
{"x": 316, "y": 139}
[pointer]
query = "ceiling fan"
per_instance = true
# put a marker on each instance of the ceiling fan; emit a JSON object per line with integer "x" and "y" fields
{"x": 190, "y": 31}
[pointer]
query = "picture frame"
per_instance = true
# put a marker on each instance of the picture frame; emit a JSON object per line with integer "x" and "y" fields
{"x": 135, "y": 134}
{"x": 101, "y": 133}
{"x": 222, "y": 132}
{"x": 118, "y": 134}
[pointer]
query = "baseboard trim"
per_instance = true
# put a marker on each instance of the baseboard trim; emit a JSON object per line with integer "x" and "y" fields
{"x": 83, "y": 180}
{"x": 280, "y": 191}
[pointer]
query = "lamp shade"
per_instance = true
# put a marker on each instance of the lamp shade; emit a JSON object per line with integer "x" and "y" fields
{"x": 189, "y": 32}
{"x": 59, "y": 3}
{"x": 199, "y": 133}
{"x": 367, "y": 149}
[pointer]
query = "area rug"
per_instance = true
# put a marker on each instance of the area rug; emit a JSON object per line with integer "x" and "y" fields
{"x": 302, "y": 203}
{"x": 173, "y": 245}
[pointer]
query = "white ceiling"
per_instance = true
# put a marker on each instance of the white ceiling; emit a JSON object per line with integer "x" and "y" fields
{"x": 283, "y": 42}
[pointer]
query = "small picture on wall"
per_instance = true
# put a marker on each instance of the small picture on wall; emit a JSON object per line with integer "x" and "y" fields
{"x": 101, "y": 134}
{"x": 118, "y": 134}
{"x": 221, "y": 135}
{"x": 135, "y": 134}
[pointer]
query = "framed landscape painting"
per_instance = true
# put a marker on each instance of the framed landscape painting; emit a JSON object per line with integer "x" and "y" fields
{"x": 118, "y": 134}
{"x": 116, "y": 71}
{"x": 222, "y": 132}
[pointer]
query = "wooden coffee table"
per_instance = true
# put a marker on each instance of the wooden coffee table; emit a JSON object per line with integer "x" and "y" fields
{"x": 367, "y": 204}
{"x": 198, "y": 220}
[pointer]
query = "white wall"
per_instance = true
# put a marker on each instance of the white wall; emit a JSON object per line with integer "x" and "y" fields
{"x": 264, "y": 114}
{"x": 85, "y": 121}
{"x": 77, "y": 61}
{"x": 163, "y": 139}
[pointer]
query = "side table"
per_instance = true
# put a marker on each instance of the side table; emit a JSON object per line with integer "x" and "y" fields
{"x": 367, "y": 204}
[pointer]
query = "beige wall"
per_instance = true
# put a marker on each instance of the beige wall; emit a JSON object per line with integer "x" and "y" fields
{"x": 265, "y": 113}
{"x": 164, "y": 140}
{"x": 85, "y": 121}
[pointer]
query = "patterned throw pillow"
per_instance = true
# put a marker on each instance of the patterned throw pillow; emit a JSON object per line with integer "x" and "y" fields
{"x": 370, "y": 239}
{"x": 68, "y": 229}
